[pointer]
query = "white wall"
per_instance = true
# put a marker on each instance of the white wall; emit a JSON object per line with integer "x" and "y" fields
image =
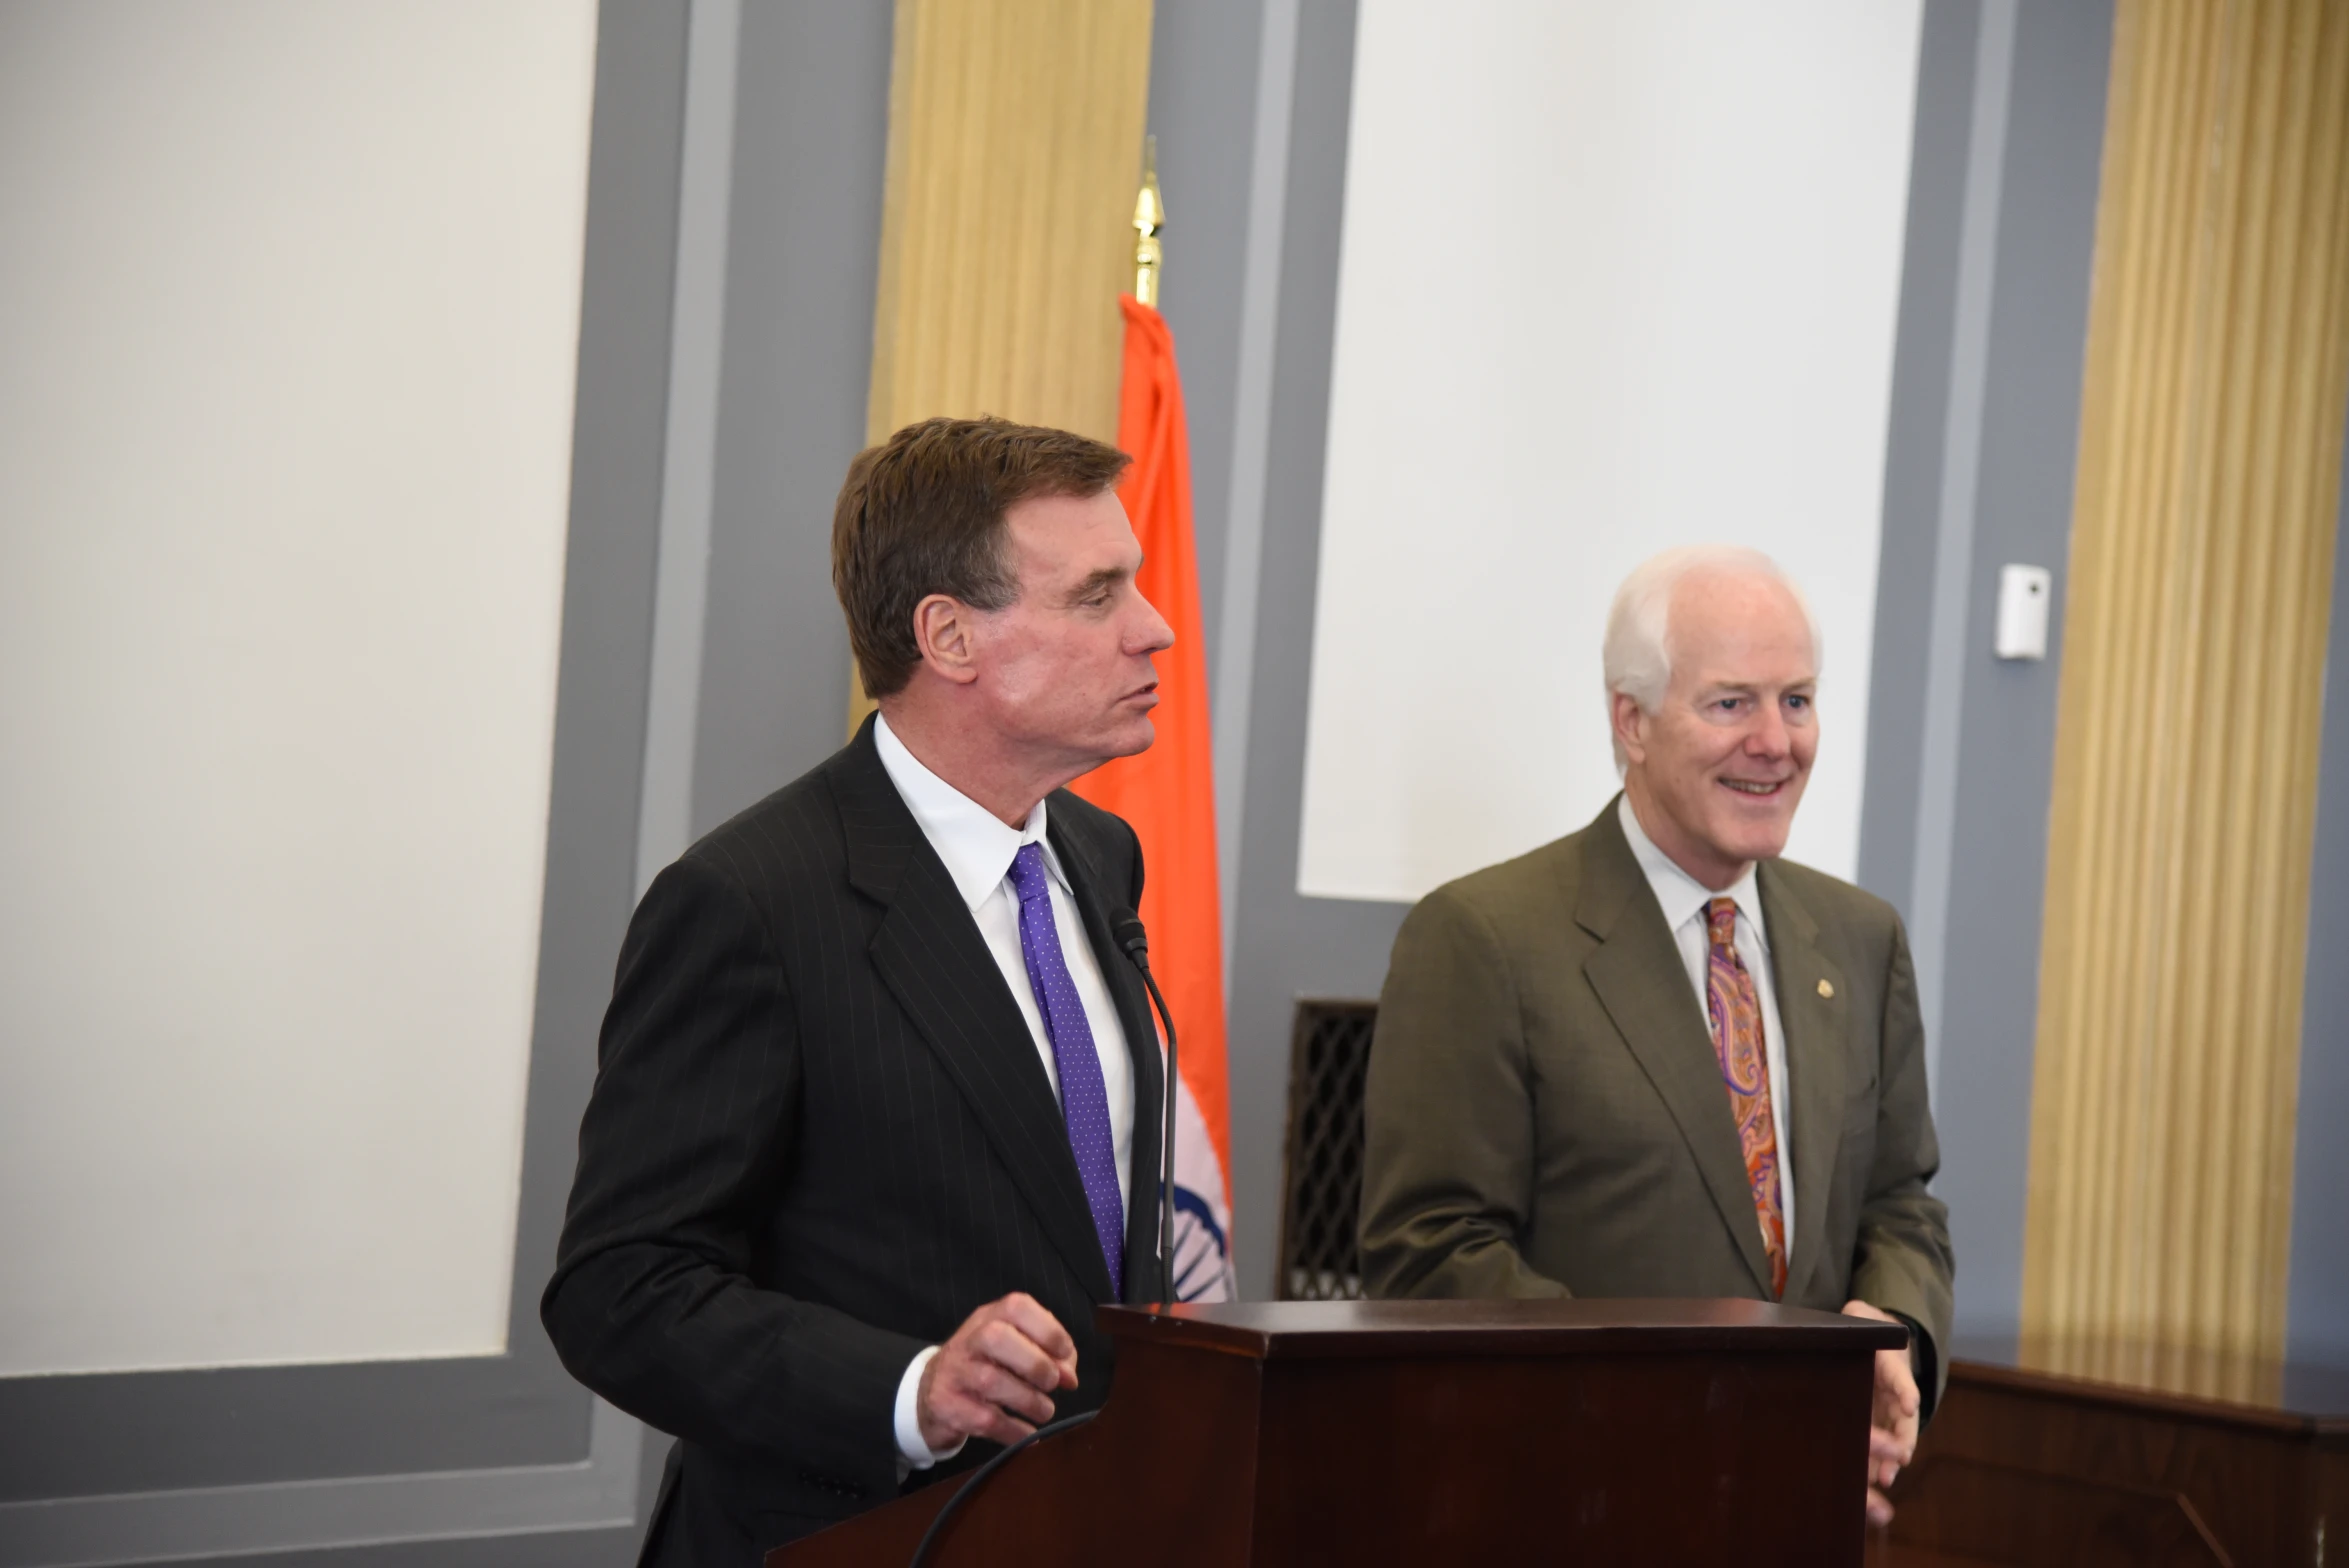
{"x": 1614, "y": 277}
{"x": 290, "y": 295}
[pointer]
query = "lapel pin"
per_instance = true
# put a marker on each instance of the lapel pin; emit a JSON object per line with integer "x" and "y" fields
{"x": 1827, "y": 988}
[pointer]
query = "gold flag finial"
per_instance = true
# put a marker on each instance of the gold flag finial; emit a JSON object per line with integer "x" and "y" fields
{"x": 1149, "y": 218}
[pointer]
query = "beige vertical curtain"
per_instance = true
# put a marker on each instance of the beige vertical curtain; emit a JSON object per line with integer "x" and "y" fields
{"x": 1015, "y": 148}
{"x": 2185, "y": 777}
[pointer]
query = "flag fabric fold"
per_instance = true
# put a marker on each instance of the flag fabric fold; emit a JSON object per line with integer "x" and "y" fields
{"x": 1168, "y": 794}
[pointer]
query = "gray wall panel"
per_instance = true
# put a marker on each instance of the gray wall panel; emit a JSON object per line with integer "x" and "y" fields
{"x": 2030, "y": 440}
{"x": 1203, "y": 59}
{"x": 133, "y": 1434}
{"x": 1914, "y": 437}
{"x": 1287, "y": 946}
{"x": 617, "y": 454}
{"x": 550, "y": 1549}
{"x": 2316, "y": 1327}
{"x": 283, "y": 1516}
{"x": 138, "y": 1432}
{"x": 813, "y": 123}
{"x": 2025, "y": 330}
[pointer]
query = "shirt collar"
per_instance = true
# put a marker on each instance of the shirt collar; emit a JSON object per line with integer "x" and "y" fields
{"x": 976, "y": 845}
{"x": 1682, "y": 896}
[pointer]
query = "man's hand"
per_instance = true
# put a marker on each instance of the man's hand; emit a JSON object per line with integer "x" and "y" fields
{"x": 1892, "y": 1436}
{"x": 995, "y": 1378}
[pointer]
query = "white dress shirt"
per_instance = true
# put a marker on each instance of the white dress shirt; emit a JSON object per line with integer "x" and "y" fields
{"x": 1683, "y": 899}
{"x": 978, "y": 847}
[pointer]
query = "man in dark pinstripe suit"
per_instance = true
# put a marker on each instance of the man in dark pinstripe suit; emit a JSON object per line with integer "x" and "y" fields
{"x": 874, "y": 1125}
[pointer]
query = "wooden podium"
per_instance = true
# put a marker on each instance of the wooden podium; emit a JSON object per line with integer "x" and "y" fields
{"x": 1352, "y": 1432}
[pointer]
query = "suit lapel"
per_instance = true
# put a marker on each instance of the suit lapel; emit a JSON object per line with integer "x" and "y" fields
{"x": 1642, "y": 981}
{"x": 1091, "y": 886}
{"x": 1816, "y": 1027}
{"x": 930, "y": 955}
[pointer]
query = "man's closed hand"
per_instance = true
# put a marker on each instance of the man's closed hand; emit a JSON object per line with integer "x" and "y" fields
{"x": 995, "y": 1378}
{"x": 1892, "y": 1436}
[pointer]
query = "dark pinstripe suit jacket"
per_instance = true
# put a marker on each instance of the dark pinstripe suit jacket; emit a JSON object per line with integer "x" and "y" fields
{"x": 820, "y": 1136}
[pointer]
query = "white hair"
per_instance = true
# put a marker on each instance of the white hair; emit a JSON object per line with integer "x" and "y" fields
{"x": 1638, "y": 652}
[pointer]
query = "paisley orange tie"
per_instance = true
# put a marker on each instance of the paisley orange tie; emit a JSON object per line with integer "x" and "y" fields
{"x": 1735, "y": 1012}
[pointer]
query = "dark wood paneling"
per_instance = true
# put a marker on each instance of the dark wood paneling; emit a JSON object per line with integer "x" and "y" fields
{"x": 2027, "y": 1466}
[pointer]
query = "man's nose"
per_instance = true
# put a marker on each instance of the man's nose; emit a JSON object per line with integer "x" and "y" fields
{"x": 1154, "y": 635}
{"x": 1768, "y": 737}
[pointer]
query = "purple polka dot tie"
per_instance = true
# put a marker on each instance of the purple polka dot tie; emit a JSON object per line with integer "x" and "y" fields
{"x": 1084, "y": 1098}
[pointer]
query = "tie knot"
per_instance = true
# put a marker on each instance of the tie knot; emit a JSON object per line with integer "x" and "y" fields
{"x": 1721, "y": 921}
{"x": 1028, "y": 876}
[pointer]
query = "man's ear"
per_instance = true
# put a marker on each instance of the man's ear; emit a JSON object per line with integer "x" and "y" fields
{"x": 1630, "y": 725}
{"x": 945, "y": 630}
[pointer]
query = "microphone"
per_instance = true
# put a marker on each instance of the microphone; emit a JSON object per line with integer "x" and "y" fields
{"x": 1126, "y": 927}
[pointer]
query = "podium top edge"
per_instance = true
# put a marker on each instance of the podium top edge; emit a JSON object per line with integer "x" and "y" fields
{"x": 1280, "y": 1330}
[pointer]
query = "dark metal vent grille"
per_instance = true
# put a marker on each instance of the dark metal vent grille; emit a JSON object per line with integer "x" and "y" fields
{"x": 1322, "y": 1166}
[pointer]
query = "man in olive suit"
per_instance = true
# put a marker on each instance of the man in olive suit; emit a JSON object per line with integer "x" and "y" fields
{"x": 1654, "y": 1059}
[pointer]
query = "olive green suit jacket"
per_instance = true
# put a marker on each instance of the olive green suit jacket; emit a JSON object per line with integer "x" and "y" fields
{"x": 1545, "y": 1115}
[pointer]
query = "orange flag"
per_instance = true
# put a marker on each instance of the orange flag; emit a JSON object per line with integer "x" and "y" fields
{"x": 1168, "y": 794}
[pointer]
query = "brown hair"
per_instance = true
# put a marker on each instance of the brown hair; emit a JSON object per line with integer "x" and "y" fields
{"x": 923, "y": 513}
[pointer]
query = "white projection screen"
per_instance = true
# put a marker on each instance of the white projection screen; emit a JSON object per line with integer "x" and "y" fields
{"x": 1613, "y": 277}
{"x": 290, "y": 294}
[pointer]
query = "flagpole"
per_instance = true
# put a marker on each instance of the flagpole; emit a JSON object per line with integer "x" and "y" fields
{"x": 1149, "y": 218}
{"x": 1167, "y": 792}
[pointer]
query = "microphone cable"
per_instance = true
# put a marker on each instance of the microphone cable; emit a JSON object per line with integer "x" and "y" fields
{"x": 971, "y": 1482}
